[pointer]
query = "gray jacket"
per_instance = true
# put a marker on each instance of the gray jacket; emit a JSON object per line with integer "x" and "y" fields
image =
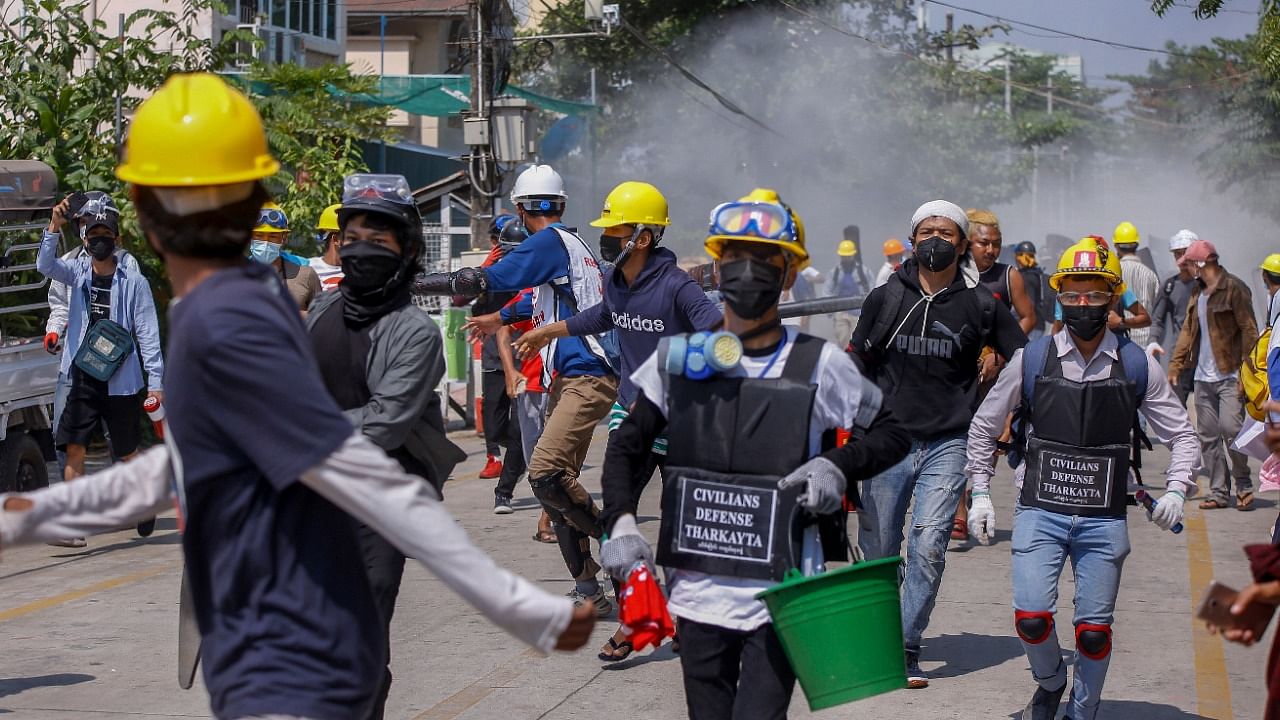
{"x": 406, "y": 364}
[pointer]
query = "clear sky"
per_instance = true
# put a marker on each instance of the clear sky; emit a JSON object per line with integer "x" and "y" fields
{"x": 1125, "y": 21}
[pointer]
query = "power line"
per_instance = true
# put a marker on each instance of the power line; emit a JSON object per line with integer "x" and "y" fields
{"x": 1066, "y": 33}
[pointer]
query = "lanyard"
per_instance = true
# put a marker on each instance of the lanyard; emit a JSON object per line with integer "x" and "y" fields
{"x": 776, "y": 354}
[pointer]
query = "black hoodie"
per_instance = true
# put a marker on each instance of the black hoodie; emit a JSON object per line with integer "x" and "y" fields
{"x": 927, "y": 367}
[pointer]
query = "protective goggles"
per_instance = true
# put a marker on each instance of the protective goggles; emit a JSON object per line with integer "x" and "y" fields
{"x": 369, "y": 186}
{"x": 767, "y": 221}
{"x": 272, "y": 218}
{"x": 1093, "y": 298}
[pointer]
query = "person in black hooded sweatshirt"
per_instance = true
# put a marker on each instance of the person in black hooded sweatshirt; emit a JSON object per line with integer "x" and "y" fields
{"x": 919, "y": 338}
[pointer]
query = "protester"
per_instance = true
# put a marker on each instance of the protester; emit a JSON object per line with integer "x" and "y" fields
{"x": 893, "y": 253}
{"x": 1036, "y": 284}
{"x": 267, "y": 247}
{"x": 1139, "y": 278}
{"x": 646, "y": 298}
{"x": 566, "y": 277}
{"x": 730, "y": 655}
{"x": 1219, "y": 329}
{"x": 1129, "y": 315}
{"x": 286, "y": 616}
{"x": 381, "y": 360}
{"x": 847, "y": 279}
{"x": 110, "y": 305}
{"x": 1005, "y": 284}
{"x": 1047, "y": 383}
{"x": 328, "y": 265}
{"x": 919, "y": 338}
{"x": 1171, "y": 309}
{"x": 501, "y": 428}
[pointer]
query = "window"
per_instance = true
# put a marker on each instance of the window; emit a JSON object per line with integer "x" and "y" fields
{"x": 331, "y": 19}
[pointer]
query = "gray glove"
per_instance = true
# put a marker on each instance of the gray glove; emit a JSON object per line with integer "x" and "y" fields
{"x": 823, "y": 485}
{"x": 624, "y": 549}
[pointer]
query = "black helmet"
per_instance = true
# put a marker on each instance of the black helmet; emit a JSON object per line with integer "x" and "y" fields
{"x": 94, "y": 208}
{"x": 513, "y": 233}
{"x": 500, "y": 222}
{"x": 388, "y": 196}
{"x": 1024, "y": 248}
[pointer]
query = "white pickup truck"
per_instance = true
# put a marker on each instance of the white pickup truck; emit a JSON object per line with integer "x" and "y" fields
{"x": 28, "y": 374}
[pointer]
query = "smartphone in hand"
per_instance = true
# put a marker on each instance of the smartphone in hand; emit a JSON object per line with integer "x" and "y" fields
{"x": 1216, "y": 608}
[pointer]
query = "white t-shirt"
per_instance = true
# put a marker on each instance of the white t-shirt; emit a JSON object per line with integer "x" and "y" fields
{"x": 1206, "y": 366}
{"x": 886, "y": 270}
{"x": 330, "y": 275}
{"x": 729, "y": 602}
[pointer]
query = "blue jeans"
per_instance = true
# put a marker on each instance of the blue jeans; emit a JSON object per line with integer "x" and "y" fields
{"x": 1097, "y": 547}
{"x": 932, "y": 473}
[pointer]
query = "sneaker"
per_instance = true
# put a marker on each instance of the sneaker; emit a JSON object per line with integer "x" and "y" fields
{"x": 70, "y": 543}
{"x": 916, "y": 679}
{"x": 492, "y": 469}
{"x": 1044, "y": 704}
{"x": 502, "y": 506}
{"x": 603, "y": 606}
{"x": 146, "y": 527}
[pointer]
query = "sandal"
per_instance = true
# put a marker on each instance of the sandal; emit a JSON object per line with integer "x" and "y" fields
{"x": 1244, "y": 502}
{"x": 1212, "y": 504}
{"x": 545, "y": 536}
{"x": 616, "y": 651}
{"x": 959, "y": 529}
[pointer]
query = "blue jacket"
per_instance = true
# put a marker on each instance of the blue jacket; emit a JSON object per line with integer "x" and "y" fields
{"x": 131, "y": 305}
{"x": 663, "y": 301}
{"x": 538, "y": 260}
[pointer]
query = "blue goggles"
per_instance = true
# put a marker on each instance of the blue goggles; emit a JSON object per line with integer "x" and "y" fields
{"x": 273, "y": 218}
{"x": 767, "y": 221}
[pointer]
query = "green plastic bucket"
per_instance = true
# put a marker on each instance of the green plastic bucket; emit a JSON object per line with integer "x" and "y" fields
{"x": 457, "y": 351}
{"x": 842, "y": 631}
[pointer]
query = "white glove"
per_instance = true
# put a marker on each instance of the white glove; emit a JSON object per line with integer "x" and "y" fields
{"x": 1168, "y": 511}
{"x": 823, "y": 485}
{"x": 982, "y": 518}
{"x": 625, "y": 548}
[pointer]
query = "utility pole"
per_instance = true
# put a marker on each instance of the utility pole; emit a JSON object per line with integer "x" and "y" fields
{"x": 479, "y": 140}
{"x": 591, "y": 140}
{"x": 1008, "y": 87}
{"x": 119, "y": 91}
{"x": 1049, "y": 96}
{"x": 950, "y": 43}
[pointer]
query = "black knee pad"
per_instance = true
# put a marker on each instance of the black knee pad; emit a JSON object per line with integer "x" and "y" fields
{"x": 551, "y": 493}
{"x": 570, "y": 549}
{"x": 1033, "y": 627}
{"x": 1093, "y": 641}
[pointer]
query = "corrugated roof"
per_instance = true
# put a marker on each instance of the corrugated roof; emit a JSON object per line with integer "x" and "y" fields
{"x": 399, "y": 7}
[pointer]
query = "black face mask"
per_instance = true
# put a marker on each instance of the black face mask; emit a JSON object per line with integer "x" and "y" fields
{"x": 610, "y": 248}
{"x": 374, "y": 280}
{"x": 935, "y": 254}
{"x": 101, "y": 246}
{"x": 750, "y": 287}
{"x": 1085, "y": 321}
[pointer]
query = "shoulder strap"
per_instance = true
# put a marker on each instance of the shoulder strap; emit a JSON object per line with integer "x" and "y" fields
{"x": 1134, "y": 360}
{"x": 894, "y": 291}
{"x": 1034, "y": 356}
{"x": 803, "y": 359}
{"x": 987, "y": 319}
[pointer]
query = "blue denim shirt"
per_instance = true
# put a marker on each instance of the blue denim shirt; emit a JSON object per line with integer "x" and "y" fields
{"x": 131, "y": 305}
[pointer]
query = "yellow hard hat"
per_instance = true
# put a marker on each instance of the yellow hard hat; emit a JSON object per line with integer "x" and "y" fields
{"x": 271, "y": 219}
{"x": 196, "y": 130}
{"x": 1088, "y": 258}
{"x": 1272, "y": 264}
{"x": 329, "y": 219}
{"x": 782, "y": 227}
{"x": 633, "y": 203}
{"x": 846, "y": 248}
{"x": 1125, "y": 234}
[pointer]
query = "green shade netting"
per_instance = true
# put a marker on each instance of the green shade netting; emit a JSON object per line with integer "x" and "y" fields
{"x": 441, "y": 95}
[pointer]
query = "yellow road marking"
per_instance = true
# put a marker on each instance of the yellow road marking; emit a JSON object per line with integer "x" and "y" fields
{"x": 1213, "y": 689}
{"x": 461, "y": 701}
{"x": 46, "y": 603}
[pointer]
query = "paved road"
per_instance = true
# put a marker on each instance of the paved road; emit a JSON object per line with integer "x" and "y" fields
{"x": 92, "y": 633}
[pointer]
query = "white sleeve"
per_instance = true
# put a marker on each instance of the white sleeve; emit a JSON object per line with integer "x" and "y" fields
{"x": 651, "y": 382}
{"x": 121, "y": 495}
{"x": 359, "y": 478}
{"x": 838, "y": 402}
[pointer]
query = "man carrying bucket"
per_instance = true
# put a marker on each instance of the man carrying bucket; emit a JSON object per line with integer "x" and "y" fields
{"x": 739, "y": 481}
{"x": 1076, "y": 394}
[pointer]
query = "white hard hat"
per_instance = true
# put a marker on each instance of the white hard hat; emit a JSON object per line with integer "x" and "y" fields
{"x": 538, "y": 181}
{"x": 1182, "y": 239}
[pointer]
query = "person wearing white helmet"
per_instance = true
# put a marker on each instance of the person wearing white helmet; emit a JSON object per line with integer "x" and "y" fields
{"x": 1171, "y": 308}
{"x": 566, "y": 278}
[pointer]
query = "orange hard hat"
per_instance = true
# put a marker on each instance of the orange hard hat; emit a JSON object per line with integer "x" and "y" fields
{"x": 893, "y": 246}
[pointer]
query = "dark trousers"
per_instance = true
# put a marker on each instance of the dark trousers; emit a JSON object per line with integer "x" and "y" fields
{"x": 502, "y": 430}
{"x": 734, "y": 675}
{"x": 385, "y": 567}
